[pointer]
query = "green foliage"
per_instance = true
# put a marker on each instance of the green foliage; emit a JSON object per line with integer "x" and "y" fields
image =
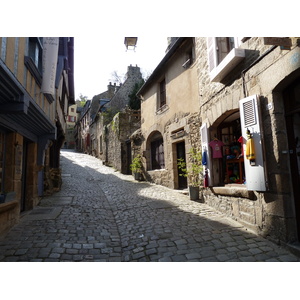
{"x": 136, "y": 166}
{"x": 193, "y": 173}
{"x": 134, "y": 101}
{"x": 82, "y": 100}
{"x": 108, "y": 115}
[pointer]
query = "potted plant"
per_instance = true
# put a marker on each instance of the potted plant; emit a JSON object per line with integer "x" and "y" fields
{"x": 193, "y": 172}
{"x": 136, "y": 167}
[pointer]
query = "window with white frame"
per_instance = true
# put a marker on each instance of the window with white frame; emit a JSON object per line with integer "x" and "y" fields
{"x": 224, "y": 54}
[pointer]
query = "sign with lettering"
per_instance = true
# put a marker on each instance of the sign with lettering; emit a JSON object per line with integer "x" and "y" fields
{"x": 50, "y": 54}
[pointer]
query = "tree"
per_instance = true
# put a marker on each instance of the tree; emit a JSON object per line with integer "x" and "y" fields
{"x": 82, "y": 99}
{"x": 134, "y": 101}
{"x": 118, "y": 79}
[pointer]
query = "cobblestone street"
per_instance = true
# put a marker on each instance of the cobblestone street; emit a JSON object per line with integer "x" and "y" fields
{"x": 101, "y": 215}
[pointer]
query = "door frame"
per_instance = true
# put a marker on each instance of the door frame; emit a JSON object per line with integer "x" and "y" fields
{"x": 291, "y": 109}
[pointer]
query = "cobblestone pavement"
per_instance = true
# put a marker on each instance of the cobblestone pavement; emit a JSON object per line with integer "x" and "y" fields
{"x": 102, "y": 215}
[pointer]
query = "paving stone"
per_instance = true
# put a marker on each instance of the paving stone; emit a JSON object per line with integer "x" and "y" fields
{"x": 190, "y": 256}
{"x": 106, "y": 216}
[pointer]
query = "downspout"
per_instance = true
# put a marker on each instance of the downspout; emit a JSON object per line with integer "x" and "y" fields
{"x": 250, "y": 66}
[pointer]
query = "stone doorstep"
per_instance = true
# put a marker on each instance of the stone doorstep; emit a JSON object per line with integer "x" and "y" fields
{"x": 43, "y": 213}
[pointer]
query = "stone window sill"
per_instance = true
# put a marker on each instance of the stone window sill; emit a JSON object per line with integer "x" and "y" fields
{"x": 234, "y": 190}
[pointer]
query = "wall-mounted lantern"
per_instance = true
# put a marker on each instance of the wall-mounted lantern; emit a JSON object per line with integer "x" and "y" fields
{"x": 130, "y": 43}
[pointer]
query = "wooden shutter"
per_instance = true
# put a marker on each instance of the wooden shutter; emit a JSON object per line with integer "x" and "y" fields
{"x": 250, "y": 119}
{"x": 212, "y": 53}
{"x": 205, "y": 147}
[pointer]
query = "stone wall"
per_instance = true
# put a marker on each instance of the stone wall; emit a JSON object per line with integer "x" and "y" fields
{"x": 270, "y": 213}
{"x": 121, "y": 97}
{"x": 117, "y": 137}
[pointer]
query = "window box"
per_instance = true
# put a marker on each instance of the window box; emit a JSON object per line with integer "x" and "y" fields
{"x": 233, "y": 58}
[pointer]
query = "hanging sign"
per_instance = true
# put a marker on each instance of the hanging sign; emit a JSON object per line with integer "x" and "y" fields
{"x": 50, "y": 54}
{"x": 284, "y": 42}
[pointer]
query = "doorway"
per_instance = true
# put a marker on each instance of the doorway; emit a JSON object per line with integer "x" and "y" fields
{"x": 180, "y": 150}
{"x": 292, "y": 116}
{"x": 24, "y": 176}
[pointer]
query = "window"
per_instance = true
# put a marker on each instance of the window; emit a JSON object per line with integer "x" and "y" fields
{"x": 2, "y": 160}
{"x": 162, "y": 93}
{"x": 72, "y": 119}
{"x": 223, "y": 56}
{"x": 35, "y": 51}
{"x": 224, "y": 46}
{"x": 231, "y": 137}
{"x": 189, "y": 58}
{"x": 34, "y": 59}
{"x": 157, "y": 152}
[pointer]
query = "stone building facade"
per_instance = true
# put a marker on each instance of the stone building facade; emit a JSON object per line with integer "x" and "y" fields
{"x": 252, "y": 84}
{"x": 117, "y": 139}
{"x": 106, "y": 123}
{"x": 70, "y": 124}
{"x": 32, "y": 119}
{"x": 170, "y": 115}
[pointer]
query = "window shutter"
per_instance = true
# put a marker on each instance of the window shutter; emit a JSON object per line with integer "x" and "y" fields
{"x": 212, "y": 53}
{"x": 204, "y": 145}
{"x": 250, "y": 119}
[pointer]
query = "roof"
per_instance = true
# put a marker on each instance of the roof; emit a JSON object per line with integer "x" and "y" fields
{"x": 158, "y": 70}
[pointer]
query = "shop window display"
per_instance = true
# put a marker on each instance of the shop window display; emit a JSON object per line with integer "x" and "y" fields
{"x": 227, "y": 147}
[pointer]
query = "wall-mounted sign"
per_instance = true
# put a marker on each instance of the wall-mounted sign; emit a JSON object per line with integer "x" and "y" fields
{"x": 285, "y": 43}
{"x": 50, "y": 54}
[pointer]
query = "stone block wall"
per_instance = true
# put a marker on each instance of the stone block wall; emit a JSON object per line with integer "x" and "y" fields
{"x": 118, "y": 135}
{"x": 270, "y": 213}
{"x": 121, "y": 98}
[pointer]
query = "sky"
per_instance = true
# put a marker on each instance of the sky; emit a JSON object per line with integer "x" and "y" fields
{"x": 95, "y": 60}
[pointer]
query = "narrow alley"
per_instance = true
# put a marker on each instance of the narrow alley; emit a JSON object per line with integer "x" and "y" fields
{"x": 101, "y": 215}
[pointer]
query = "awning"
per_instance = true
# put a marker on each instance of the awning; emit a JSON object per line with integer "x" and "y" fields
{"x": 19, "y": 112}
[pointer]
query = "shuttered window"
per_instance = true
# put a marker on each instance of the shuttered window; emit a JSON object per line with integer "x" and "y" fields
{"x": 250, "y": 120}
{"x": 249, "y": 113}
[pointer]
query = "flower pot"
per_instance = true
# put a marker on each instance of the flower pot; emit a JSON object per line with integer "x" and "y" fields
{"x": 194, "y": 192}
{"x": 138, "y": 176}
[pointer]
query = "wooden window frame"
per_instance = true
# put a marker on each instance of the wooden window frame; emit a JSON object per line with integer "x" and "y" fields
{"x": 162, "y": 94}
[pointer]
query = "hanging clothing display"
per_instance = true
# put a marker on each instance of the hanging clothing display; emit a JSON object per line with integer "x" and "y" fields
{"x": 216, "y": 146}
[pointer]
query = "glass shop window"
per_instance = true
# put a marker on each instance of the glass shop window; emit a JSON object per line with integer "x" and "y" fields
{"x": 229, "y": 130}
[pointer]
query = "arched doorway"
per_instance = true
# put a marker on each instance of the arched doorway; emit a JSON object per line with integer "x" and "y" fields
{"x": 291, "y": 97}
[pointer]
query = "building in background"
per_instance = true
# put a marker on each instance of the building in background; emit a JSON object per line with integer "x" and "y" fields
{"x": 70, "y": 127}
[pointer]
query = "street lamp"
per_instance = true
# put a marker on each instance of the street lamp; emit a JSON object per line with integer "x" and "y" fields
{"x": 130, "y": 43}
